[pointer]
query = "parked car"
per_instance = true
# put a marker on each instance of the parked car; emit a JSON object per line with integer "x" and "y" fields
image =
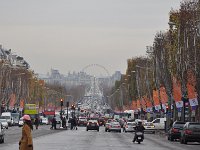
{"x": 92, "y": 125}
{"x": 1, "y": 133}
{"x": 4, "y": 123}
{"x": 175, "y": 130}
{"x": 45, "y": 121}
{"x": 129, "y": 127}
{"x": 114, "y": 126}
{"x": 149, "y": 127}
{"x": 21, "y": 122}
{"x": 190, "y": 133}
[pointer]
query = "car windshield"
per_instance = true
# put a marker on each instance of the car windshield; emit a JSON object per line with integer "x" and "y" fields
{"x": 194, "y": 126}
{"x": 115, "y": 123}
{"x": 93, "y": 121}
{"x": 179, "y": 125}
{"x": 5, "y": 117}
{"x": 131, "y": 124}
{"x": 2, "y": 120}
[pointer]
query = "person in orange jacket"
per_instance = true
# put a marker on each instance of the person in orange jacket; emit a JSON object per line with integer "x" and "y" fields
{"x": 26, "y": 142}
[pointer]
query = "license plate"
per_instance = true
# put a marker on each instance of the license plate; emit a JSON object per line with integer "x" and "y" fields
{"x": 139, "y": 138}
{"x": 93, "y": 125}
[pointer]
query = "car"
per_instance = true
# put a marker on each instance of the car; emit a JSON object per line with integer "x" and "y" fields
{"x": 190, "y": 133}
{"x": 149, "y": 127}
{"x": 92, "y": 125}
{"x": 102, "y": 121}
{"x": 4, "y": 123}
{"x": 21, "y": 122}
{"x": 8, "y": 117}
{"x": 114, "y": 126}
{"x": 82, "y": 121}
{"x": 2, "y": 134}
{"x": 107, "y": 124}
{"x": 129, "y": 127}
{"x": 45, "y": 121}
{"x": 174, "y": 131}
{"x": 159, "y": 123}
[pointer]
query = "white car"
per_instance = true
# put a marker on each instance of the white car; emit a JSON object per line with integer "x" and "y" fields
{"x": 149, "y": 127}
{"x": 129, "y": 126}
{"x": 45, "y": 121}
{"x": 21, "y": 122}
{"x": 4, "y": 123}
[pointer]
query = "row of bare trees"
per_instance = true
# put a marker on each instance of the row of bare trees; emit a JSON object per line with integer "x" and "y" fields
{"x": 173, "y": 54}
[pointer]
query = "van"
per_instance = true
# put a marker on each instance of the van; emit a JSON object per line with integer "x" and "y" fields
{"x": 15, "y": 117}
{"x": 159, "y": 123}
{"x": 8, "y": 117}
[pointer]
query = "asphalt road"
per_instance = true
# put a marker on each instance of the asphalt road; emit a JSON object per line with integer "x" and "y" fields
{"x": 13, "y": 134}
{"x": 89, "y": 140}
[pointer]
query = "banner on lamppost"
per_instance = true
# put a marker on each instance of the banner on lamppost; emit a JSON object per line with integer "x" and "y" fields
{"x": 176, "y": 90}
{"x": 179, "y": 104}
{"x": 12, "y": 100}
{"x": 193, "y": 102}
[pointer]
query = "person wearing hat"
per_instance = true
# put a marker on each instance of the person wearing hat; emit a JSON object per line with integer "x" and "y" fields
{"x": 26, "y": 142}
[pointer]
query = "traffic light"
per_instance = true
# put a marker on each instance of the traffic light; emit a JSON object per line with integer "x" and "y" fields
{"x": 167, "y": 108}
{"x": 61, "y": 102}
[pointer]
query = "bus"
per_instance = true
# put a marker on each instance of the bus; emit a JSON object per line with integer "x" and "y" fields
{"x": 32, "y": 110}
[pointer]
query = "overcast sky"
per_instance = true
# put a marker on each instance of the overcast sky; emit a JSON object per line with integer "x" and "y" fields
{"x": 70, "y": 34}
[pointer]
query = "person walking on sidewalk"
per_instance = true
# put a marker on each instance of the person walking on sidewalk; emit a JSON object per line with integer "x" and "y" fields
{"x": 26, "y": 142}
{"x": 36, "y": 123}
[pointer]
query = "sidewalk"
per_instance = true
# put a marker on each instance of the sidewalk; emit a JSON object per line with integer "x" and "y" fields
{"x": 55, "y": 141}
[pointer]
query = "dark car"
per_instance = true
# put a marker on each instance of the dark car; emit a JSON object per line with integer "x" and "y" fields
{"x": 102, "y": 121}
{"x": 92, "y": 125}
{"x": 175, "y": 130}
{"x": 190, "y": 133}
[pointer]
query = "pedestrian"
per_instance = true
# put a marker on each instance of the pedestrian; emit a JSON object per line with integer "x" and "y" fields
{"x": 64, "y": 122}
{"x": 54, "y": 122}
{"x": 36, "y": 123}
{"x": 26, "y": 142}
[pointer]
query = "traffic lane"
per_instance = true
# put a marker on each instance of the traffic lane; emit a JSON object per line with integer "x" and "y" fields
{"x": 160, "y": 141}
{"x": 89, "y": 140}
{"x": 13, "y": 134}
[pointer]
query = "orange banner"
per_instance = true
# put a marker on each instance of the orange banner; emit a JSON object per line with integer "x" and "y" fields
{"x": 143, "y": 103}
{"x": 191, "y": 91}
{"x": 177, "y": 90}
{"x": 21, "y": 103}
{"x": 163, "y": 95}
{"x": 12, "y": 100}
{"x": 148, "y": 102}
{"x": 138, "y": 104}
{"x": 134, "y": 105}
{"x": 156, "y": 98}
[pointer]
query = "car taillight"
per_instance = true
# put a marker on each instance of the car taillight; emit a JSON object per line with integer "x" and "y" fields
{"x": 119, "y": 126}
{"x": 188, "y": 132}
{"x": 174, "y": 130}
